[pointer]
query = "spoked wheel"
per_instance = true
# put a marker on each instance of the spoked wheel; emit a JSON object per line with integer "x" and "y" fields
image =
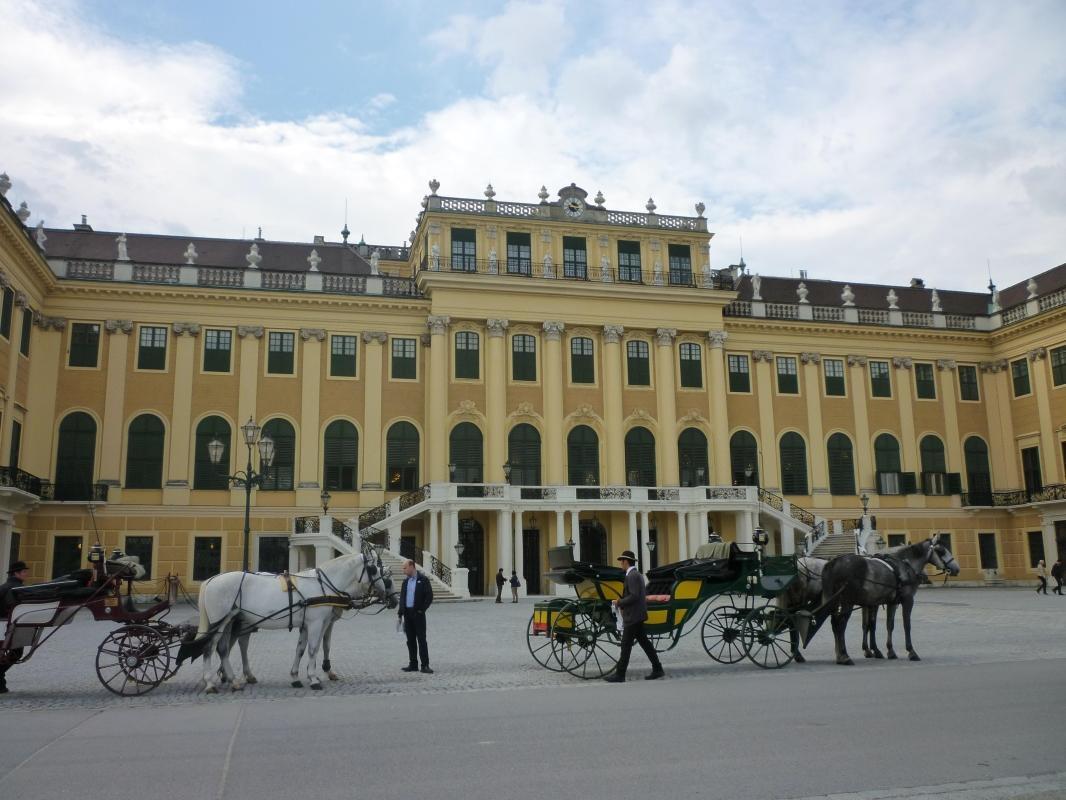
{"x": 767, "y": 639}
{"x": 584, "y": 640}
{"x": 133, "y": 660}
{"x": 722, "y": 633}
{"x": 662, "y": 641}
{"x": 540, "y": 647}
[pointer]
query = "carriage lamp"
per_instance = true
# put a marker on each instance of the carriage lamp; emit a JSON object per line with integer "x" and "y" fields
{"x": 507, "y": 471}
{"x": 325, "y": 497}
{"x": 760, "y": 537}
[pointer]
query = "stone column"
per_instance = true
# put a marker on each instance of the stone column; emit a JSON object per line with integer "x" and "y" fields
{"x": 788, "y": 539}
{"x": 769, "y": 474}
{"x": 451, "y": 522}
{"x": 248, "y": 389}
{"x": 503, "y": 541}
{"x": 519, "y": 553}
{"x": 682, "y": 537}
{"x": 646, "y": 527}
{"x": 575, "y": 532}
{"x": 46, "y": 346}
{"x": 721, "y": 469}
{"x": 634, "y": 544}
{"x": 857, "y": 388}
{"x": 553, "y": 402}
{"x": 956, "y": 462}
{"x": 434, "y": 533}
{"x": 901, "y": 379}
{"x": 496, "y": 399}
{"x": 666, "y": 405}
{"x": 176, "y": 487}
{"x": 307, "y": 483}
{"x": 815, "y": 432}
{"x": 560, "y": 522}
{"x": 692, "y": 525}
{"x": 613, "y": 471}
{"x": 1003, "y": 448}
{"x": 437, "y": 398}
{"x": 372, "y": 433}
{"x": 744, "y": 529}
{"x": 114, "y": 402}
{"x": 1038, "y": 375}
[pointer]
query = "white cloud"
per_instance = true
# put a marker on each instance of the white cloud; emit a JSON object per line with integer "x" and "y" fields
{"x": 917, "y": 144}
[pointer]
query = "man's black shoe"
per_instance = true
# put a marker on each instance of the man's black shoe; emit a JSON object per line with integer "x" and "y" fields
{"x": 410, "y": 668}
{"x": 4, "y": 689}
{"x": 655, "y": 674}
{"x": 614, "y": 677}
{"x": 427, "y": 670}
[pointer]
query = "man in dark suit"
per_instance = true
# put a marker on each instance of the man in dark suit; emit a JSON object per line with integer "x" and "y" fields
{"x": 633, "y": 608}
{"x": 16, "y": 577}
{"x": 416, "y": 596}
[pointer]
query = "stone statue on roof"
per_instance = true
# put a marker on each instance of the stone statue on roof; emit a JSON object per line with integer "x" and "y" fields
{"x": 39, "y": 235}
{"x": 123, "y": 253}
{"x": 936, "y": 301}
{"x": 756, "y": 286}
{"x": 375, "y": 258}
{"x": 190, "y": 254}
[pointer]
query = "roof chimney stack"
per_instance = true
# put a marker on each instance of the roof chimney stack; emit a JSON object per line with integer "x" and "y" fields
{"x": 83, "y": 225}
{"x": 917, "y": 283}
{"x": 319, "y": 239}
{"x": 803, "y": 274}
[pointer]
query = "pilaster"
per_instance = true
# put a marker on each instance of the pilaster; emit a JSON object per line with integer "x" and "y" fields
{"x": 496, "y": 398}
{"x": 46, "y": 344}
{"x": 307, "y": 483}
{"x": 946, "y": 371}
{"x": 176, "y": 488}
{"x": 247, "y": 393}
{"x": 553, "y": 402}
{"x": 1038, "y": 374}
{"x": 372, "y": 434}
{"x": 613, "y": 470}
{"x": 864, "y": 459}
{"x": 666, "y": 405}
{"x": 902, "y": 386}
{"x": 719, "y": 415}
{"x": 437, "y": 398}
{"x": 14, "y": 357}
{"x": 114, "y": 398}
{"x": 813, "y": 395}
{"x": 769, "y": 474}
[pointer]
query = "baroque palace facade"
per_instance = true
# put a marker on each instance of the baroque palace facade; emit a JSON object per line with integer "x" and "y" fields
{"x": 518, "y": 376}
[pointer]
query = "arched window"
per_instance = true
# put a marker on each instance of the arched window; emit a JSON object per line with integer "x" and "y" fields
{"x": 640, "y": 457}
{"x": 281, "y": 474}
{"x": 75, "y": 457}
{"x": 401, "y": 457}
{"x": 583, "y": 457}
{"x": 465, "y": 452}
{"x": 340, "y": 456}
{"x": 887, "y": 464}
{"x": 934, "y": 466}
{"x": 978, "y": 477}
{"x": 841, "y": 465}
{"x": 793, "y": 464}
{"x": 205, "y": 474}
{"x": 744, "y": 456}
{"x": 523, "y": 454}
{"x": 144, "y": 453}
{"x": 692, "y": 457}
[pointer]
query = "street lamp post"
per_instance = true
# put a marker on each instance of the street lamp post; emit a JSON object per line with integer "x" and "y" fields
{"x": 325, "y": 497}
{"x": 249, "y": 478}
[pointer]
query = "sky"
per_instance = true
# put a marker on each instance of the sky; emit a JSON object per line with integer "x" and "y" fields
{"x": 860, "y": 141}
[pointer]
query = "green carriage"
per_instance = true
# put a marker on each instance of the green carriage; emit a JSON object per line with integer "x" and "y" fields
{"x": 729, "y": 599}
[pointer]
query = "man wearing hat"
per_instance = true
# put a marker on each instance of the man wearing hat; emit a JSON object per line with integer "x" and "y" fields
{"x": 634, "y": 610}
{"x": 16, "y": 576}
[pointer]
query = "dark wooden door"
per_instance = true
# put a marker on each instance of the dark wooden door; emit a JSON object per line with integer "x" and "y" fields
{"x": 593, "y": 542}
{"x": 531, "y": 560}
{"x": 473, "y": 538}
{"x": 66, "y": 555}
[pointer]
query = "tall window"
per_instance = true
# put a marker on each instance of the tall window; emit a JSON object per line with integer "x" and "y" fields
{"x": 739, "y": 374}
{"x": 16, "y": 444}
{"x": 401, "y": 457}
{"x": 841, "y": 465}
{"x": 744, "y": 459}
{"x": 692, "y": 457}
{"x": 280, "y": 349}
{"x": 206, "y": 557}
{"x": 924, "y": 382}
{"x": 691, "y": 365}
{"x": 582, "y": 366}
{"x": 934, "y": 465}
{"x": 519, "y": 254}
{"x": 638, "y": 369}
{"x": 880, "y": 381}
{"x": 6, "y": 310}
{"x": 978, "y": 475}
{"x": 75, "y": 457}
{"x": 1036, "y": 548}
{"x": 583, "y": 456}
{"x": 640, "y": 457}
{"x": 464, "y": 250}
{"x": 84, "y": 344}
{"x": 340, "y": 456}
{"x": 1019, "y": 372}
{"x": 1058, "y": 366}
{"x": 466, "y": 453}
{"x": 66, "y": 555}
{"x": 793, "y": 464}
{"x": 144, "y": 453}
{"x": 205, "y": 474}
{"x": 1031, "y": 473}
{"x": 523, "y": 357}
{"x": 467, "y": 350}
{"x": 218, "y": 346}
{"x": 575, "y": 259}
{"x": 680, "y": 265}
{"x": 281, "y": 474}
{"x": 629, "y": 262}
{"x": 27, "y": 328}
{"x": 986, "y": 549}
{"x": 887, "y": 463}
{"x": 523, "y": 454}
{"x": 968, "y": 382}
{"x": 404, "y": 364}
{"x": 342, "y": 356}
{"x": 152, "y": 349}
{"x": 834, "y": 377}
{"x": 273, "y": 553}
{"x": 141, "y": 546}
{"x": 787, "y": 375}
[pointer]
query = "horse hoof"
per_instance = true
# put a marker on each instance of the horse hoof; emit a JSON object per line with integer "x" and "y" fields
{"x": 252, "y": 680}
{"x": 799, "y": 659}
{"x": 316, "y": 687}
{"x": 892, "y": 655}
{"x": 211, "y": 690}
{"x": 878, "y": 654}
{"x": 845, "y": 662}
{"x": 867, "y": 654}
{"x": 913, "y": 657}
{"x": 332, "y": 676}
{"x": 297, "y": 685}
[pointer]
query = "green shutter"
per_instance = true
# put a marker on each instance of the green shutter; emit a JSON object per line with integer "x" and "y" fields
{"x": 466, "y": 448}
{"x": 401, "y": 457}
{"x": 205, "y": 474}
{"x": 793, "y": 464}
{"x": 640, "y": 457}
{"x": 908, "y": 483}
{"x": 340, "y": 456}
{"x": 523, "y": 454}
{"x": 583, "y": 456}
{"x": 75, "y": 456}
{"x": 841, "y": 465}
{"x": 144, "y": 453}
{"x": 281, "y": 474}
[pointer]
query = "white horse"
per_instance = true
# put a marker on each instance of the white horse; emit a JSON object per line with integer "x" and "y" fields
{"x": 234, "y": 604}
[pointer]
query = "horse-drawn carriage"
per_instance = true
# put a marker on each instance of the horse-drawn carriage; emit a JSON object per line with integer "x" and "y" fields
{"x": 581, "y": 636}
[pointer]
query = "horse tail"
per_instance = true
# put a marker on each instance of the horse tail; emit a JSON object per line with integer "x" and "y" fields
{"x": 205, "y": 623}
{"x": 193, "y": 647}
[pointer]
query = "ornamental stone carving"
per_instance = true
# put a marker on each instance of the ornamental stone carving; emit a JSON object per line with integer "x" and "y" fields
{"x": 935, "y": 298}
{"x": 375, "y": 261}
{"x": 525, "y": 409}
{"x": 497, "y": 327}
{"x": 190, "y": 254}
{"x": 692, "y": 416}
{"x": 901, "y": 362}
{"x": 23, "y": 213}
{"x": 945, "y": 364}
{"x": 437, "y": 324}
{"x": 434, "y": 257}
{"x": 253, "y": 258}
{"x": 543, "y": 194}
{"x": 641, "y": 414}
{"x": 312, "y": 333}
{"x": 654, "y": 245}
{"x": 993, "y": 366}
{"x": 314, "y": 260}
{"x": 756, "y": 286}
{"x": 5, "y": 183}
{"x": 118, "y": 326}
{"x": 599, "y": 199}
{"x": 856, "y": 361}
{"x": 489, "y": 192}
{"x": 657, "y": 274}
{"x": 1038, "y": 354}
{"x": 848, "y": 296}
{"x": 1031, "y": 288}
{"x": 545, "y": 236}
{"x": 811, "y": 358}
{"x": 612, "y": 334}
{"x": 434, "y": 184}
{"x": 605, "y": 269}
{"x": 39, "y": 236}
{"x": 426, "y": 339}
{"x": 466, "y": 408}
{"x": 762, "y": 355}
{"x": 255, "y": 331}
{"x": 553, "y": 331}
{"x": 893, "y": 300}
{"x": 183, "y": 328}
{"x": 802, "y": 291}
{"x": 664, "y": 337}
{"x": 375, "y": 336}
{"x": 49, "y": 323}
{"x": 584, "y": 410}
{"x": 490, "y": 232}
{"x": 549, "y": 270}
{"x": 717, "y": 338}
{"x": 21, "y": 299}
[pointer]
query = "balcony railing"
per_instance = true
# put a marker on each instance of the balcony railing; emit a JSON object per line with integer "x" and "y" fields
{"x": 95, "y": 493}
{"x": 1015, "y": 497}
{"x": 470, "y": 205}
{"x": 18, "y": 479}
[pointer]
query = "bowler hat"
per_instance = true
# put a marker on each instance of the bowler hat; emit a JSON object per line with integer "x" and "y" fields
{"x": 628, "y": 556}
{"x": 17, "y": 566}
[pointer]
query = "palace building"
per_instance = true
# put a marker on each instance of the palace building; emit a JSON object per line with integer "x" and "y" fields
{"x": 519, "y": 376}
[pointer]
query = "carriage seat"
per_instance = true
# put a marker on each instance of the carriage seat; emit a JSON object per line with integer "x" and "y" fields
{"x": 74, "y": 585}
{"x": 657, "y": 598}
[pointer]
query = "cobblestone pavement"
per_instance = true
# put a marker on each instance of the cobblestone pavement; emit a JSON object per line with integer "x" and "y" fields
{"x": 482, "y": 646}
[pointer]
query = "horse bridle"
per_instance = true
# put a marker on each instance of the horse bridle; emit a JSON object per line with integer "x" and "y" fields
{"x": 944, "y": 568}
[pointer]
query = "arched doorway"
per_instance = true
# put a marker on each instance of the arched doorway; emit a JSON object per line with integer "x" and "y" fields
{"x": 593, "y": 542}
{"x": 472, "y": 537}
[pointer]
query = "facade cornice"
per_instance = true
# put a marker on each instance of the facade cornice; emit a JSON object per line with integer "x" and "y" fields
{"x": 734, "y": 325}
{"x": 30, "y": 255}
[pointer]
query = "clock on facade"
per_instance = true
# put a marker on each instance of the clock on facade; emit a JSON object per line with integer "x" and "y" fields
{"x": 573, "y": 206}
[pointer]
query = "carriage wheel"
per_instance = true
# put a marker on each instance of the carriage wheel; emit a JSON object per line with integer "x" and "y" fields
{"x": 584, "y": 640}
{"x": 722, "y": 634}
{"x": 540, "y": 647}
{"x": 133, "y": 660}
{"x": 662, "y": 641}
{"x": 767, "y": 639}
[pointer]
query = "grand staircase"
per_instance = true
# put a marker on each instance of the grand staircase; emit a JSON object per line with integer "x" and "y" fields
{"x": 442, "y": 592}
{"x": 834, "y": 544}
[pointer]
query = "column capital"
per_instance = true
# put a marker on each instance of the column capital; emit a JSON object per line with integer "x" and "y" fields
{"x": 497, "y": 327}
{"x": 118, "y": 326}
{"x": 664, "y": 337}
{"x": 1038, "y": 354}
{"x": 45, "y": 323}
{"x": 22, "y": 300}
{"x": 945, "y": 364}
{"x": 811, "y": 358}
{"x": 553, "y": 330}
{"x": 993, "y": 366}
{"x": 762, "y": 355}
{"x": 369, "y": 337}
{"x": 612, "y": 334}
{"x": 182, "y": 328}
{"x": 244, "y": 331}
{"x": 437, "y": 324}
{"x": 902, "y": 362}
{"x": 312, "y": 333}
{"x": 717, "y": 339}
{"x": 856, "y": 361}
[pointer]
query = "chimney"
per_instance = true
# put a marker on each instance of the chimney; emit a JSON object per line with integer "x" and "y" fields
{"x": 319, "y": 240}
{"x": 803, "y": 274}
{"x": 83, "y": 226}
{"x": 917, "y": 283}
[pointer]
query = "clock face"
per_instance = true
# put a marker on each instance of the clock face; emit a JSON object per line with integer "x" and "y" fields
{"x": 573, "y": 207}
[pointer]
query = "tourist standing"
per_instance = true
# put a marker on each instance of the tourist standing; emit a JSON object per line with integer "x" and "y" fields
{"x": 500, "y": 583}
{"x": 416, "y": 596}
{"x": 515, "y": 583}
{"x": 1041, "y": 576}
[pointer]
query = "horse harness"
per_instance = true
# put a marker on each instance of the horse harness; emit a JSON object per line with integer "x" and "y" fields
{"x": 898, "y": 568}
